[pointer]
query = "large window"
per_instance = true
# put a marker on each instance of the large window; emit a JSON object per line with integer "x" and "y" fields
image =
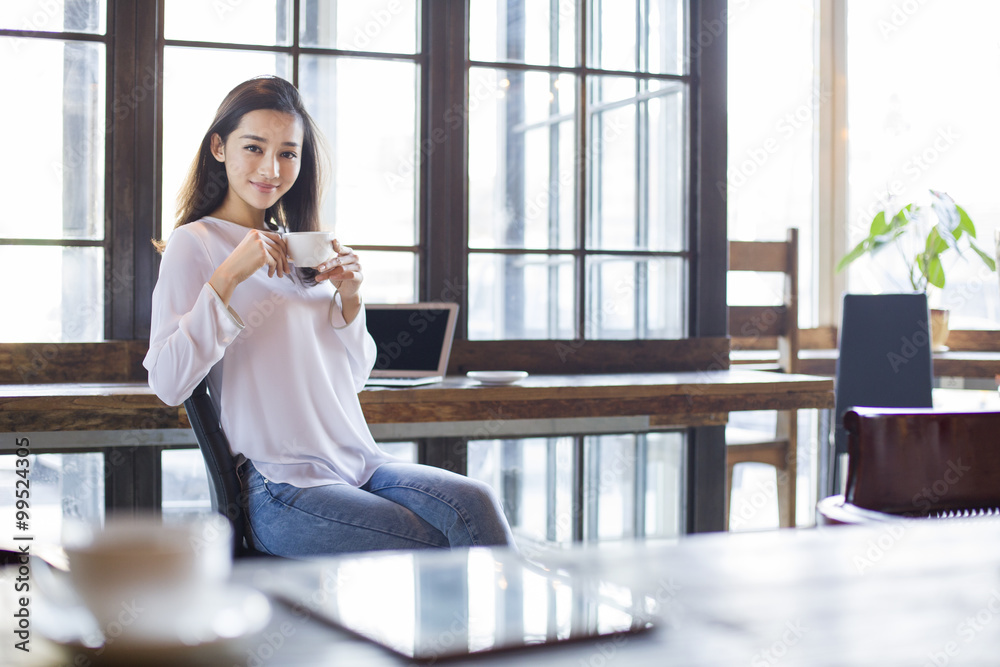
{"x": 357, "y": 65}
{"x": 52, "y": 234}
{"x": 920, "y": 90}
{"x": 538, "y": 168}
{"x": 577, "y": 170}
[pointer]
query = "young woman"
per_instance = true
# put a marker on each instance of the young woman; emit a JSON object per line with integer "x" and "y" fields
{"x": 286, "y": 350}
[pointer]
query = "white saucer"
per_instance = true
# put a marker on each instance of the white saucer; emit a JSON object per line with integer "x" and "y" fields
{"x": 210, "y": 629}
{"x": 496, "y": 377}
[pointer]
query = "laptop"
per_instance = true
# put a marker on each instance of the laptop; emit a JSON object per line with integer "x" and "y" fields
{"x": 413, "y": 341}
{"x": 428, "y": 606}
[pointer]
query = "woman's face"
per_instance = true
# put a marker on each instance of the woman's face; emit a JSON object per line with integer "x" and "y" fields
{"x": 262, "y": 157}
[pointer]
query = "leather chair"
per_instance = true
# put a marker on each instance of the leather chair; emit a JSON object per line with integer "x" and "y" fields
{"x": 223, "y": 482}
{"x": 918, "y": 464}
{"x": 756, "y": 331}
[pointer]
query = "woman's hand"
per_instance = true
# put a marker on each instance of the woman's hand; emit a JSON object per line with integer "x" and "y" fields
{"x": 258, "y": 248}
{"x": 344, "y": 271}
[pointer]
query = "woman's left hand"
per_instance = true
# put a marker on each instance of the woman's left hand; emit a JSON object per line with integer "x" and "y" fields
{"x": 344, "y": 270}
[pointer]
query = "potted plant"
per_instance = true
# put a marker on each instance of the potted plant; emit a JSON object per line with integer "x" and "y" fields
{"x": 922, "y": 233}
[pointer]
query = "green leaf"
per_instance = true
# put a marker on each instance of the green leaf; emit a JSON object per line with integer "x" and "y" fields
{"x": 878, "y": 225}
{"x": 965, "y": 223}
{"x": 935, "y": 245}
{"x": 858, "y": 251}
{"x": 935, "y": 272}
{"x": 987, "y": 258}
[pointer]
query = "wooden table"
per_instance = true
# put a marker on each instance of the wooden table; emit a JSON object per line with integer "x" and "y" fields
{"x": 949, "y": 363}
{"x": 915, "y": 594}
{"x": 457, "y": 407}
{"x": 668, "y": 399}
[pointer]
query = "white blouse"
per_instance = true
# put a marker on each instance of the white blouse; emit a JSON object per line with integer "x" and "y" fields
{"x": 283, "y": 365}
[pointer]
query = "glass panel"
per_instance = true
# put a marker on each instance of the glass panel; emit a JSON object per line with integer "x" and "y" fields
{"x": 265, "y": 22}
{"x": 772, "y": 124}
{"x": 633, "y": 486}
{"x": 390, "y": 277}
{"x": 190, "y": 101}
{"x": 664, "y": 167}
{"x": 65, "y": 301}
{"x": 386, "y": 26}
{"x": 184, "y": 484}
{"x": 529, "y": 475}
{"x": 921, "y": 118}
{"x": 60, "y": 180}
{"x": 63, "y": 486}
{"x": 522, "y": 171}
{"x": 637, "y": 196}
{"x": 664, "y": 492}
{"x": 88, "y": 16}
{"x": 646, "y": 36}
{"x": 613, "y": 35}
{"x": 753, "y": 288}
{"x": 407, "y": 451}
{"x": 372, "y": 146}
{"x": 537, "y": 33}
{"x": 521, "y": 297}
{"x": 635, "y": 298}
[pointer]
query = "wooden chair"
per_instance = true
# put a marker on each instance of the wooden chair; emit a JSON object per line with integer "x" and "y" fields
{"x": 918, "y": 463}
{"x": 754, "y": 331}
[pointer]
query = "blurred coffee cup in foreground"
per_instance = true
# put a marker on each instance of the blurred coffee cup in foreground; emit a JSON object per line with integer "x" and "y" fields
{"x": 136, "y": 573}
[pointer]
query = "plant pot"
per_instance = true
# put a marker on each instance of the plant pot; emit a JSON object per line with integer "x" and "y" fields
{"x": 939, "y": 329}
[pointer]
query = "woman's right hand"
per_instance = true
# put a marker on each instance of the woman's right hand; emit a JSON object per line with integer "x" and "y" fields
{"x": 258, "y": 248}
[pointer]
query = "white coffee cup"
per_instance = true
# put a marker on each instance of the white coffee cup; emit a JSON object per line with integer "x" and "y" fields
{"x": 138, "y": 574}
{"x": 309, "y": 249}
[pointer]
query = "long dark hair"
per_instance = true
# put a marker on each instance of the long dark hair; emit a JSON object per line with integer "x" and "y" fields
{"x": 206, "y": 184}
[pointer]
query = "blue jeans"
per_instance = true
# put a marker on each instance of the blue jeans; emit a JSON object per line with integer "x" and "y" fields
{"x": 402, "y": 506}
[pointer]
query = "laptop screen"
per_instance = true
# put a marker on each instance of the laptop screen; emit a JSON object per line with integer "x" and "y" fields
{"x": 412, "y": 340}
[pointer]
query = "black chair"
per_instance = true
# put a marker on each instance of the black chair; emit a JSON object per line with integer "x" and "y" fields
{"x": 224, "y": 484}
{"x": 884, "y": 361}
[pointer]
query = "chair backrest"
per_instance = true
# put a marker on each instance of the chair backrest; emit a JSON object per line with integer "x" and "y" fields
{"x": 884, "y": 357}
{"x": 224, "y": 484}
{"x": 768, "y": 327}
{"x": 923, "y": 462}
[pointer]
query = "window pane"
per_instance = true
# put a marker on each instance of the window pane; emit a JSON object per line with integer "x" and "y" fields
{"x": 65, "y": 302}
{"x": 637, "y": 166}
{"x": 184, "y": 484}
{"x": 534, "y": 480}
{"x": 622, "y": 39}
{"x": 386, "y": 26}
{"x": 190, "y": 101}
{"x": 407, "y": 451}
{"x": 537, "y": 33}
{"x": 635, "y": 298}
{"x": 922, "y": 118}
{"x": 54, "y": 16}
{"x": 390, "y": 277}
{"x": 664, "y": 170}
{"x": 372, "y": 145}
{"x": 63, "y": 486}
{"x": 243, "y": 22}
{"x": 60, "y": 179}
{"x": 521, "y": 297}
{"x": 522, "y": 171}
{"x": 633, "y": 486}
